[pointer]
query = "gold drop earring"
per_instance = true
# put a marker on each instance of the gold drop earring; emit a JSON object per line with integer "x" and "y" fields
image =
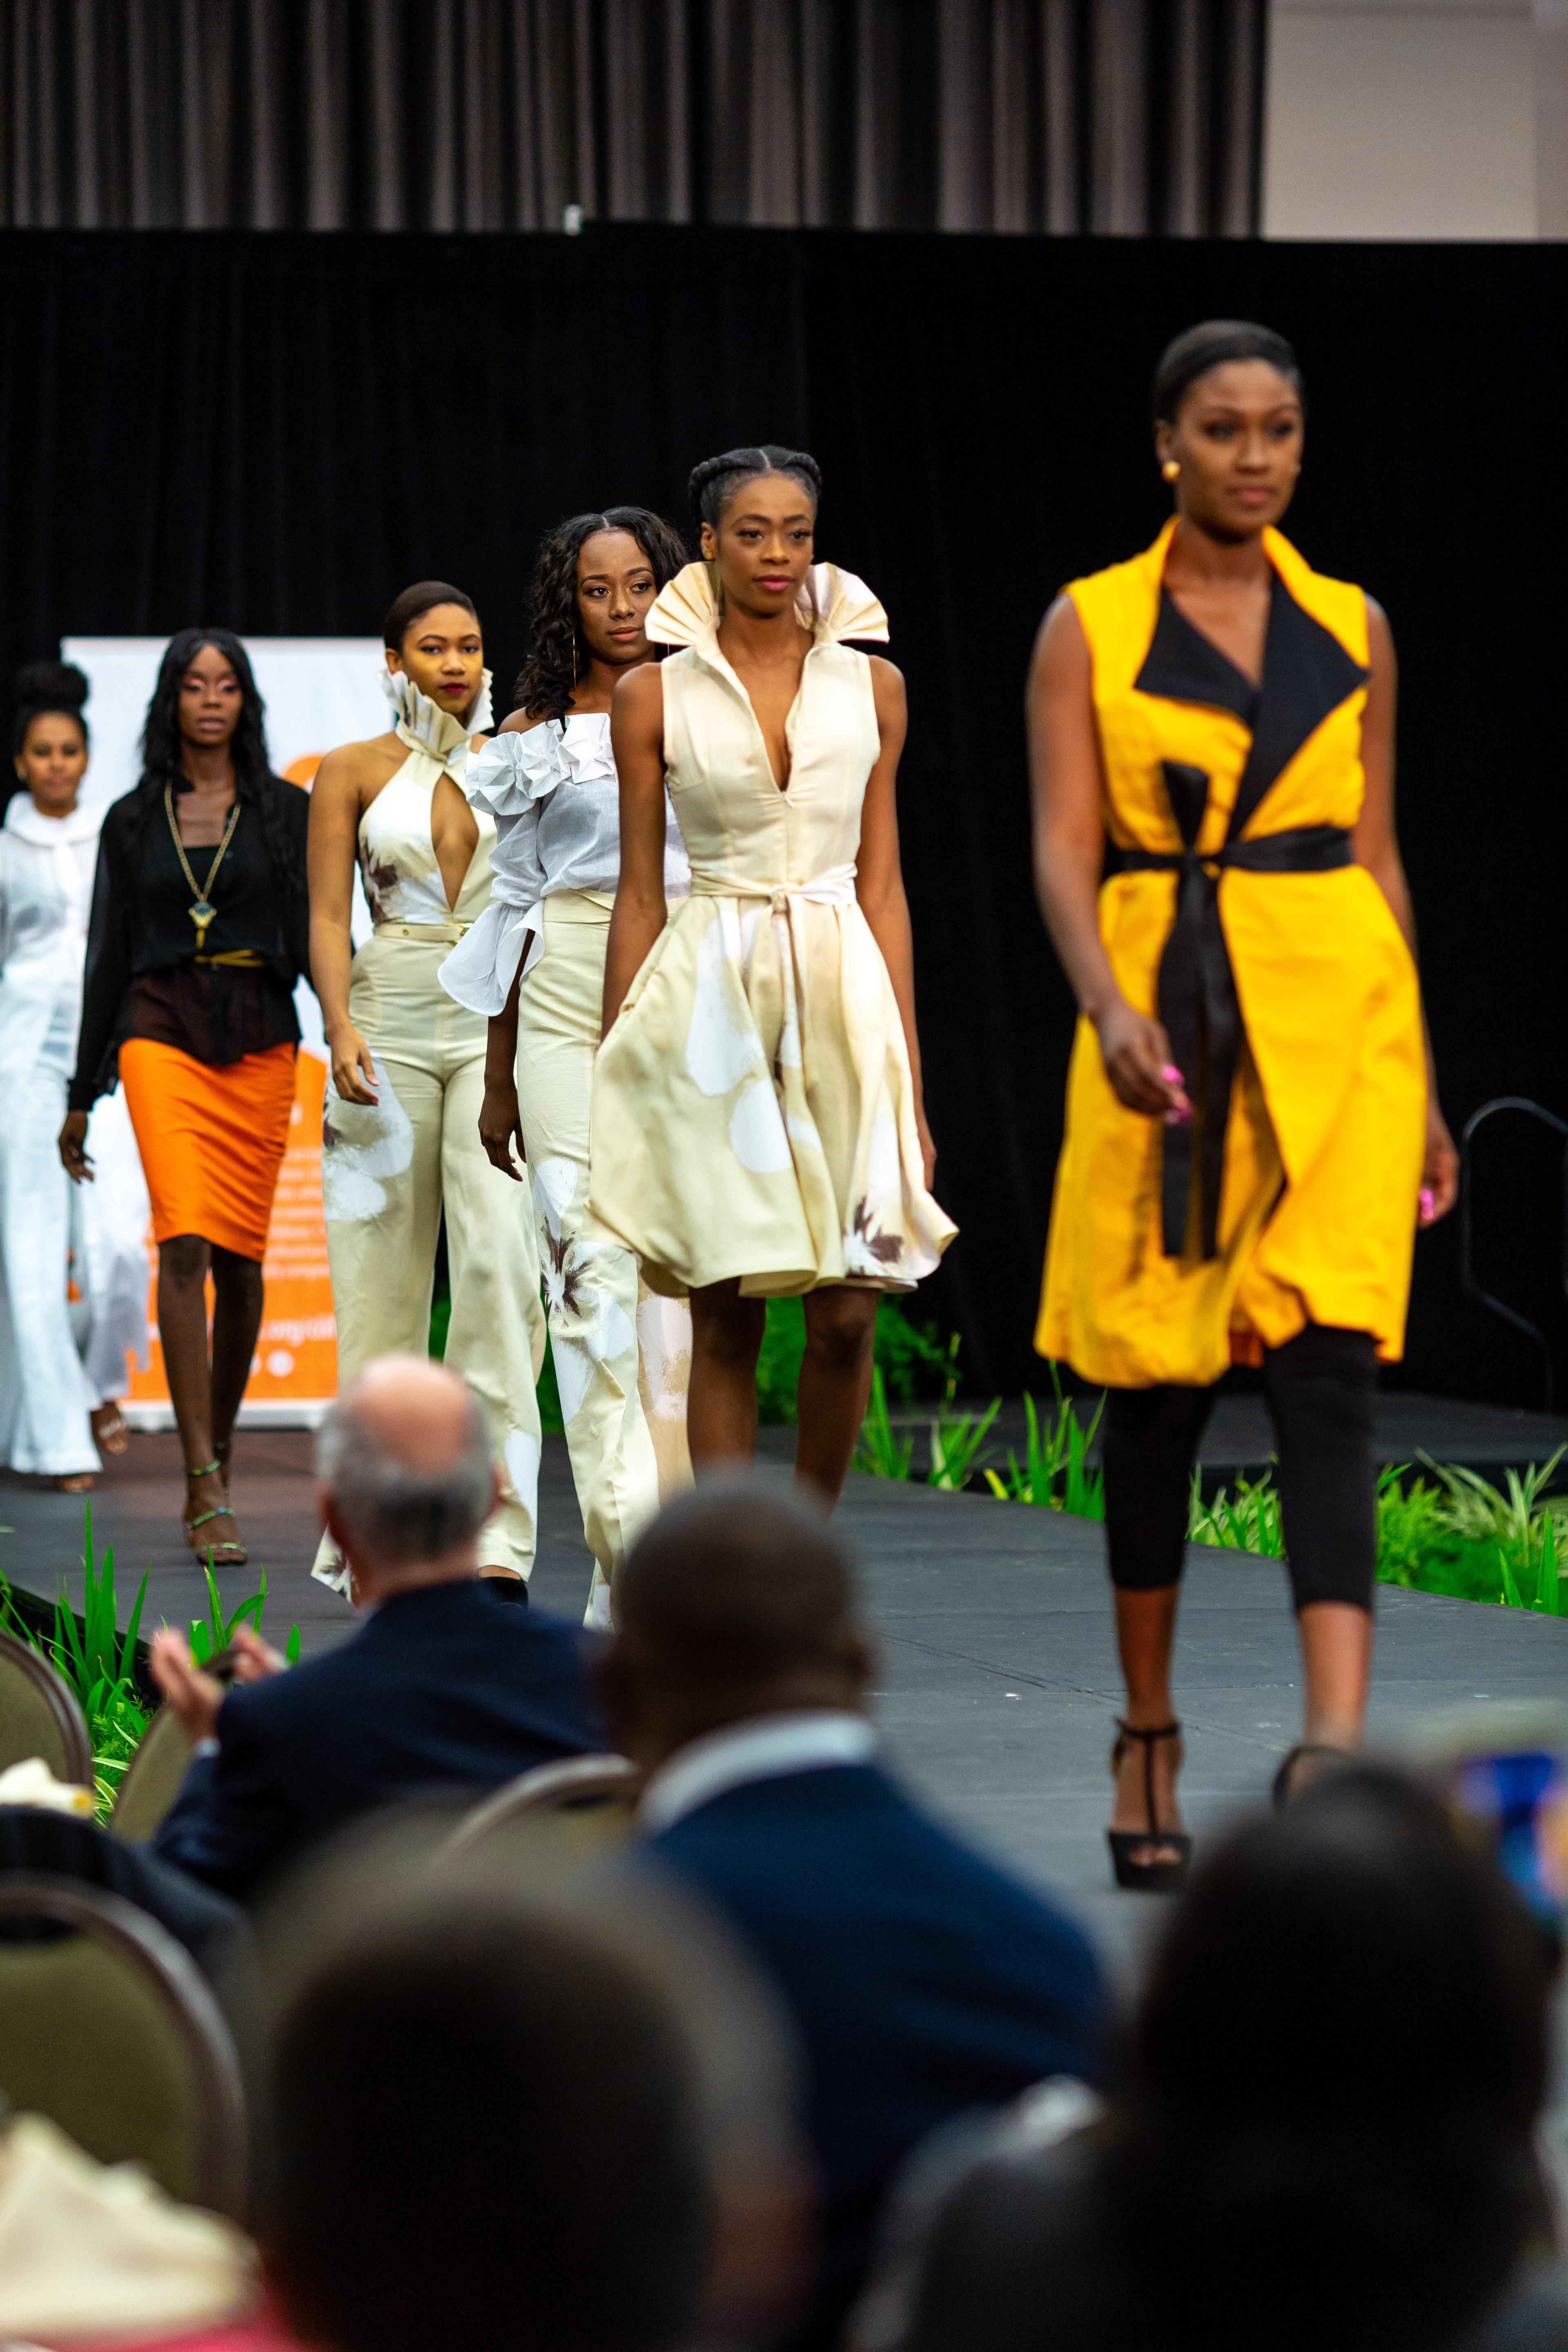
{"x": 1169, "y": 470}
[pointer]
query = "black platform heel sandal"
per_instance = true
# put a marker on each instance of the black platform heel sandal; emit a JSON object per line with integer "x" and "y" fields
{"x": 1146, "y": 1877}
{"x": 1283, "y": 1789}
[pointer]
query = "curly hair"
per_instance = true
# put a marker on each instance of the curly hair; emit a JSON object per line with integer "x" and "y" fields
{"x": 557, "y": 649}
{"x": 52, "y": 688}
{"x": 163, "y": 748}
{"x": 716, "y": 480}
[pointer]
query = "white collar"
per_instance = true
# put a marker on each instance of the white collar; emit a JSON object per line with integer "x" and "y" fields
{"x": 27, "y": 820}
{"x": 763, "y": 1748}
{"x": 425, "y": 724}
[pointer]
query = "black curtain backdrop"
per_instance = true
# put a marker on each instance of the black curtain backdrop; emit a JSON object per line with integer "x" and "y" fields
{"x": 279, "y": 432}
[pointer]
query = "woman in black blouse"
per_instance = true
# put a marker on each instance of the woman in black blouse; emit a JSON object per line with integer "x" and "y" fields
{"x": 197, "y": 937}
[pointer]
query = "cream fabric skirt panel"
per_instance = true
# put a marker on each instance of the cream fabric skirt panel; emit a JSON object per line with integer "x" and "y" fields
{"x": 623, "y": 1356}
{"x": 385, "y": 1173}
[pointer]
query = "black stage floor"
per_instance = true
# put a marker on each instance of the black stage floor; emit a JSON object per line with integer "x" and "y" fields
{"x": 997, "y": 1683}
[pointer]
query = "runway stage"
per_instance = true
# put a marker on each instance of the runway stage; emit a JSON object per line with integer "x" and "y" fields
{"x": 997, "y": 1682}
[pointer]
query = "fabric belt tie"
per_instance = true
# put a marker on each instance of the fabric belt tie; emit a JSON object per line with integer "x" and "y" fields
{"x": 1199, "y": 1009}
{"x": 834, "y": 888}
{"x": 450, "y": 933}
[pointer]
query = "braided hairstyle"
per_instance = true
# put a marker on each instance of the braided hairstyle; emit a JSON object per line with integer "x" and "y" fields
{"x": 557, "y": 651}
{"x": 716, "y": 480}
{"x": 1212, "y": 344}
{"x": 162, "y": 746}
{"x": 55, "y": 688}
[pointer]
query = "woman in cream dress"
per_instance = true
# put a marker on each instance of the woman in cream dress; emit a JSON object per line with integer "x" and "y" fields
{"x": 401, "y": 1129}
{"x": 73, "y": 1259}
{"x": 758, "y": 1128}
{"x": 534, "y": 963}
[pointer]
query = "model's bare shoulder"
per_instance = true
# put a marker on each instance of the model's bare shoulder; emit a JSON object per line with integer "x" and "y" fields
{"x": 519, "y": 722}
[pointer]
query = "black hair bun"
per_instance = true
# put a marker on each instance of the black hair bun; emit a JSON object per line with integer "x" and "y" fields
{"x": 51, "y": 685}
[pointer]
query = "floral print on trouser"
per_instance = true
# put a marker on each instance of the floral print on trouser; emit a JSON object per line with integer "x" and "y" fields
{"x": 623, "y": 1356}
{"x": 386, "y": 1174}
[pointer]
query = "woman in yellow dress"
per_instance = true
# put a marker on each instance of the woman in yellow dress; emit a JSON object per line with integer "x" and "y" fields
{"x": 757, "y": 1126}
{"x": 1252, "y": 1128}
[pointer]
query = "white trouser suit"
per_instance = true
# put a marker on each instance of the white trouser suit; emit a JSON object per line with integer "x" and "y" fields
{"x": 388, "y": 1173}
{"x": 623, "y": 1356}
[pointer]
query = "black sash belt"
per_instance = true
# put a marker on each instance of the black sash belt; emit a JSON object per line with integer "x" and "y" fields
{"x": 1198, "y": 1004}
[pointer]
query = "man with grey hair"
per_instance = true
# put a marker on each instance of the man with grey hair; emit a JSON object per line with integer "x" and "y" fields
{"x": 441, "y": 1689}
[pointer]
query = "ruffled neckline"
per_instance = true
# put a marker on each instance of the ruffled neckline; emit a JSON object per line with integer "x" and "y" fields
{"x": 513, "y": 771}
{"x": 425, "y": 725}
{"x": 28, "y": 823}
{"x": 833, "y": 605}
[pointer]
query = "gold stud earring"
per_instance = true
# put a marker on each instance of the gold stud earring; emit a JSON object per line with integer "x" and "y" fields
{"x": 1169, "y": 470}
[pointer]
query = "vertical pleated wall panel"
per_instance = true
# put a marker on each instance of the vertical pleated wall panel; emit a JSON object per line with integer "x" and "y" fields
{"x": 1119, "y": 117}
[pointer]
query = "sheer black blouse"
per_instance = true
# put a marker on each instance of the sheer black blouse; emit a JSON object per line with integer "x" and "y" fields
{"x": 143, "y": 979}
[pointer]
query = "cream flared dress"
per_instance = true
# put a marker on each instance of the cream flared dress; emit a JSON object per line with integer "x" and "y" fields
{"x": 753, "y": 1114}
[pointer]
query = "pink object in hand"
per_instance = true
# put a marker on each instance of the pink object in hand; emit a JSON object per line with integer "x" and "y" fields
{"x": 1170, "y": 1075}
{"x": 1428, "y": 1204}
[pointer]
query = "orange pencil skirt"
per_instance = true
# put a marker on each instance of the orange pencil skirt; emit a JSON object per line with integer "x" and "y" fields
{"x": 212, "y": 1139}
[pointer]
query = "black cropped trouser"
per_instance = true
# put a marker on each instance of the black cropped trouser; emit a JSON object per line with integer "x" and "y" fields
{"x": 1319, "y": 1388}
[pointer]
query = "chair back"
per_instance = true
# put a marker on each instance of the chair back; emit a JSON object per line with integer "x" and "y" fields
{"x": 39, "y": 1715}
{"x": 549, "y": 1824}
{"x": 107, "y": 2029}
{"x": 150, "y": 1780}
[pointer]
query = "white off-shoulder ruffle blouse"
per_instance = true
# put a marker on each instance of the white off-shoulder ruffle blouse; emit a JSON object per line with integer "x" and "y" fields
{"x": 555, "y": 800}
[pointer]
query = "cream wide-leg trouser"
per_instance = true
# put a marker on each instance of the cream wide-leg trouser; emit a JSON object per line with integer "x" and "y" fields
{"x": 622, "y": 1357}
{"x": 387, "y": 1173}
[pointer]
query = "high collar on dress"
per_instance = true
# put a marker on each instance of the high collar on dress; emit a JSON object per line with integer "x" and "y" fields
{"x": 424, "y": 726}
{"x": 24, "y": 818}
{"x": 833, "y": 605}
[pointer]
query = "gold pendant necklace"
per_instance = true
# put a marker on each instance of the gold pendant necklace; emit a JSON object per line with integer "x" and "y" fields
{"x": 201, "y": 911}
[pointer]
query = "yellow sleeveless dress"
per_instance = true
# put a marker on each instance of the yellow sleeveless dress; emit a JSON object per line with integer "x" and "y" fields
{"x": 1293, "y": 1198}
{"x": 752, "y": 1110}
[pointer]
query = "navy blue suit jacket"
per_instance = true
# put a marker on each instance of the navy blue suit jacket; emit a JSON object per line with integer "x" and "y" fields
{"x": 441, "y": 1688}
{"x": 922, "y": 1980}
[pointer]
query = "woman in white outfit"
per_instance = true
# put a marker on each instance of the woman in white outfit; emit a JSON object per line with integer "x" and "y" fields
{"x": 73, "y": 1302}
{"x": 400, "y": 1130}
{"x": 535, "y": 965}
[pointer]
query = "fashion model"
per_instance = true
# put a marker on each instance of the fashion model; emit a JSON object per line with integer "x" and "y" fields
{"x": 195, "y": 944}
{"x": 400, "y": 1136}
{"x": 73, "y": 1260}
{"x": 757, "y": 1122}
{"x": 535, "y": 965}
{"x": 1252, "y": 1126}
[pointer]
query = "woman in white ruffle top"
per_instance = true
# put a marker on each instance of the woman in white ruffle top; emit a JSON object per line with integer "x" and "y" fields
{"x": 400, "y": 1130}
{"x": 758, "y": 1126}
{"x": 535, "y": 965}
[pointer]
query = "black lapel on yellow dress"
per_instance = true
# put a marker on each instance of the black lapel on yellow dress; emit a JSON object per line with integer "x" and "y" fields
{"x": 1183, "y": 666}
{"x": 1306, "y": 673}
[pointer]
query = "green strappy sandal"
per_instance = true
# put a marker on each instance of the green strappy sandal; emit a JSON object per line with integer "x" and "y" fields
{"x": 223, "y": 1554}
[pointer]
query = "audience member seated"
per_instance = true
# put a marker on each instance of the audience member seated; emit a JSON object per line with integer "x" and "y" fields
{"x": 486, "y": 2130}
{"x": 922, "y": 1981}
{"x": 41, "y": 1837}
{"x": 444, "y": 1688}
{"x": 1324, "y": 2140}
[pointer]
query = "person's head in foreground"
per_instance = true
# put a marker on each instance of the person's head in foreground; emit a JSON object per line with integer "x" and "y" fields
{"x": 485, "y": 2131}
{"x": 1326, "y": 2137}
{"x": 735, "y": 1602}
{"x": 405, "y": 1479}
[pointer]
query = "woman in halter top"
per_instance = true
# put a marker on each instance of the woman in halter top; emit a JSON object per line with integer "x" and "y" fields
{"x": 757, "y": 1123}
{"x": 1253, "y": 1129}
{"x": 535, "y": 965}
{"x": 400, "y": 1134}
